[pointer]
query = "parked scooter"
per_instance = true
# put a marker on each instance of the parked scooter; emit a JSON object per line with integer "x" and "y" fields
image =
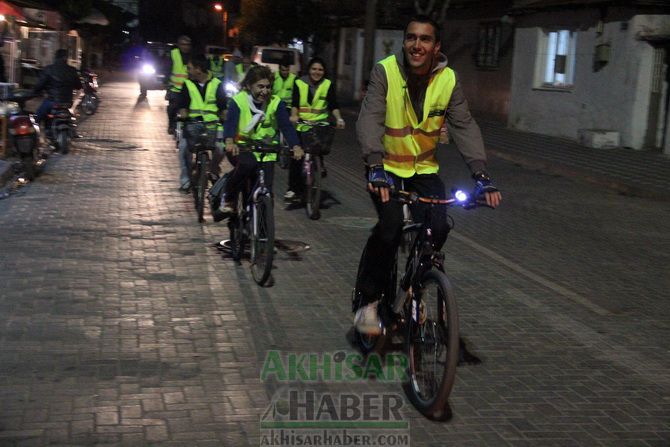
{"x": 24, "y": 133}
{"x": 59, "y": 127}
{"x": 91, "y": 99}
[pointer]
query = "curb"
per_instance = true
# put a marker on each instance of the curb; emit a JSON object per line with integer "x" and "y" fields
{"x": 618, "y": 186}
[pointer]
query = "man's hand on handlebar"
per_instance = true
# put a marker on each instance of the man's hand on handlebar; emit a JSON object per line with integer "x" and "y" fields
{"x": 297, "y": 152}
{"x": 484, "y": 186}
{"x": 231, "y": 147}
{"x": 380, "y": 182}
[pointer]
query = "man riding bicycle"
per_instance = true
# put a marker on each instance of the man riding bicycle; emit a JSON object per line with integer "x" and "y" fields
{"x": 202, "y": 96}
{"x": 399, "y": 150}
{"x": 255, "y": 115}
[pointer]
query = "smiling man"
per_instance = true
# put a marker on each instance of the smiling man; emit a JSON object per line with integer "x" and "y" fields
{"x": 409, "y": 98}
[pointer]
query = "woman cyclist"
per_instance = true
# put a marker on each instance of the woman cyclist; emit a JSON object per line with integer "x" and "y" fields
{"x": 313, "y": 98}
{"x": 254, "y": 115}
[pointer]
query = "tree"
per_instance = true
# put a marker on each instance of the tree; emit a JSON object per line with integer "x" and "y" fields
{"x": 279, "y": 21}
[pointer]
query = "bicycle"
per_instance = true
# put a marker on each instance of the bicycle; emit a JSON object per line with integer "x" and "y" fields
{"x": 254, "y": 219}
{"x": 422, "y": 311}
{"x": 200, "y": 141}
{"x": 316, "y": 143}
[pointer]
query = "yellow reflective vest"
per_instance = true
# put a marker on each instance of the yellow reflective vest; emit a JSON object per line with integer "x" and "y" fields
{"x": 284, "y": 87}
{"x": 265, "y": 131}
{"x": 179, "y": 71}
{"x": 204, "y": 107}
{"x": 409, "y": 143}
{"x": 318, "y": 109}
{"x": 216, "y": 65}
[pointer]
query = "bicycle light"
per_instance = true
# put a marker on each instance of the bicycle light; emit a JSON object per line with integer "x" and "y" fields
{"x": 231, "y": 88}
{"x": 461, "y": 196}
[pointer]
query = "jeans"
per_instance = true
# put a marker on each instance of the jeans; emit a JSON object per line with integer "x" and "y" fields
{"x": 185, "y": 162}
{"x": 43, "y": 110}
{"x": 379, "y": 253}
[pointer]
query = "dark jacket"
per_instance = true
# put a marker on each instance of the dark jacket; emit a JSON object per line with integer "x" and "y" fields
{"x": 59, "y": 80}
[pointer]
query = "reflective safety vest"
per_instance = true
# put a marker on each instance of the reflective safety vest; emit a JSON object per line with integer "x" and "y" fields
{"x": 239, "y": 71}
{"x": 318, "y": 109}
{"x": 265, "y": 131}
{"x": 204, "y": 107}
{"x": 408, "y": 143}
{"x": 216, "y": 66}
{"x": 284, "y": 87}
{"x": 179, "y": 71}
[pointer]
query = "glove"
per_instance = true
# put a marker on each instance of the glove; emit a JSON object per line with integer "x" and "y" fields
{"x": 379, "y": 178}
{"x": 483, "y": 183}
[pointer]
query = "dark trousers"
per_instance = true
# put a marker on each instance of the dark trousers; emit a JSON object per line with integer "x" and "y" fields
{"x": 379, "y": 253}
{"x": 172, "y": 109}
{"x": 246, "y": 167}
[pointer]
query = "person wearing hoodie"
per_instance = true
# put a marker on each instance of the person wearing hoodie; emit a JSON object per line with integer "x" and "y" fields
{"x": 410, "y": 96}
{"x": 313, "y": 98}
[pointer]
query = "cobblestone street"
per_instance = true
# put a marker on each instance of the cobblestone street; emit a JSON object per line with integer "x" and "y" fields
{"x": 121, "y": 324}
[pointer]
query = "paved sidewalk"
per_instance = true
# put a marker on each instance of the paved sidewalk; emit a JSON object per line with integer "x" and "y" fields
{"x": 630, "y": 172}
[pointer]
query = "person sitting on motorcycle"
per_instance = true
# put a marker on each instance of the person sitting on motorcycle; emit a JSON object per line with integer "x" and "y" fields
{"x": 202, "y": 96}
{"x": 254, "y": 114}
{"x": 59, "y": 80}
{"x": 313, "y": 97}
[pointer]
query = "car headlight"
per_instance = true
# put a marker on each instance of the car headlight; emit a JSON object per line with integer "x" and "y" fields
{"x": 148, "y": 69}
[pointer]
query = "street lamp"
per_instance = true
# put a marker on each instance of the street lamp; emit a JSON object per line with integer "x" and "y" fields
{"x": 219, "y": 8}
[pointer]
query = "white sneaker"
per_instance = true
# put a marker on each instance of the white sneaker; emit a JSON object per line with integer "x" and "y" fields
{"x": 290, "y": 195}
{"x": 366, "y": 320}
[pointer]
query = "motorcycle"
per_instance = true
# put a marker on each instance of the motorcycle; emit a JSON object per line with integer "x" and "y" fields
{"x": 24, "y": 133}
{"x": 59, "y": 127}
{"x": 90, "y": 100}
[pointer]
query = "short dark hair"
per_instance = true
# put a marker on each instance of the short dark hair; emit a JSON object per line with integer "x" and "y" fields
{"x": 317, "y": 60}
{"x": 421, "y": 18}
{"x": 255, "y": 74}
{"x": 200, "y": 61}
{"x": 61, "y": 54}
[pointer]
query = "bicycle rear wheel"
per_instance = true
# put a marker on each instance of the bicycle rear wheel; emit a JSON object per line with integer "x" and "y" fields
{"x": 313, "y": 189}
{"x": 236, "y": 225}
{"x": 432, "y": 345}
{"x": 262, "y": 240}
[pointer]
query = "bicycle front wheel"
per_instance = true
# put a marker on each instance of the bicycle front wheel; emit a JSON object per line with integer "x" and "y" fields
{"x": 432, "y": 345}
{"x": 200, "y": 186}
{"x": 313, "y": 190}
{"x": 262, "y": 240}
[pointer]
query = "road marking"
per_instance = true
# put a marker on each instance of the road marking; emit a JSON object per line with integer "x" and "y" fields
{"x": 569, "y": 294}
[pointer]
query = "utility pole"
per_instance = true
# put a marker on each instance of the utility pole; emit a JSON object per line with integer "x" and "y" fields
{"x": 369, "y": 46}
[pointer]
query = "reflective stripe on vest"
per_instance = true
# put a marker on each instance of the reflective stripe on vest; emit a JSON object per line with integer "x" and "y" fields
{"x": 265, "y": 131}
{"x": 284, "y": 88}
{"x": 408, "y": 143}
{"x": 204, "y": 107}
{"x": 216, "y": 65}
{"x": 318, "y": 109}
{"x": 179, "y": 71}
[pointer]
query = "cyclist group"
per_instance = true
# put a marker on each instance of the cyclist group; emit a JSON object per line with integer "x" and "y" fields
{"x": 410, "y": 96}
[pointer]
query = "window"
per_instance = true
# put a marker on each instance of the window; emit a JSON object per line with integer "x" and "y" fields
{"x": 488, "y": 45}
{"x": 559, "y": 59}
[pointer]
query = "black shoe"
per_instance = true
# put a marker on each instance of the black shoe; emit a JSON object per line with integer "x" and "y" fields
{"x": 170, "y": 130}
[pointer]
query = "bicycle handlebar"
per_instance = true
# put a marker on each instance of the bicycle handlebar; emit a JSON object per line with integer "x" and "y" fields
{"x": 260, "y": 147}
{"x": 459, "y": 198}
{"x": 323, "y": 123}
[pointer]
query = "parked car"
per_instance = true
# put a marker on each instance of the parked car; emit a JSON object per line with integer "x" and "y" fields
{"x": 273, "y": 56}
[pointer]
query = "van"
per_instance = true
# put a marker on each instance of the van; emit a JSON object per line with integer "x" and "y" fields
{"x": 272, "y": 56}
